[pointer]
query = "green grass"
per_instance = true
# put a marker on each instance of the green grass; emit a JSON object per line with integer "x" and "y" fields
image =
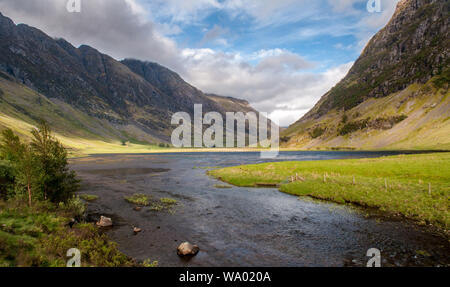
{"x": 39, "y": 236}
{"x": 398, "y": 185}
{"x": 139, "y": 199}
{"x": 154, "y": 205}
{"x": 168, "y": 201}
{"x": 164, "y": 204}
{"x": 88, "y": 197}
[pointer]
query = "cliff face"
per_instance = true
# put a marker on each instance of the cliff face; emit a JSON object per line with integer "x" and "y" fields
{"x": 130, "y": 93}
{"x": 412, "y": 48}
{"x": 411, "y": 52}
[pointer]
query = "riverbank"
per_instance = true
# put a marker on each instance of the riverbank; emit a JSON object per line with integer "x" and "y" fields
{"x": 41, "y": 236}
{"x": 413, "y": 186}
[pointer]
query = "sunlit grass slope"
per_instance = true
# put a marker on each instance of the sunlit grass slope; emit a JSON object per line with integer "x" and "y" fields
{"x": 414, "y": 186}
{"x": 426, "y": 109}
{"x": 21, "y": 109}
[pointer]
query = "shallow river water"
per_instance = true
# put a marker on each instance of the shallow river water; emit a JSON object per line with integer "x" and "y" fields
{"x": 244, "y": 226}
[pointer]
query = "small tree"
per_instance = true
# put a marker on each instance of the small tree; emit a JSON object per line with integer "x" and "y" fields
{"x": 56, "y": 181}
{"x": 27, "y": 167}
{"x": 10, "y": 146}
{"x": 42, "y": 140}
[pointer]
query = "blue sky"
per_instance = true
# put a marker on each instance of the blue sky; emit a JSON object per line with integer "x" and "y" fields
{"x": 281, "y": 56}
{"x": 321, "y": 37}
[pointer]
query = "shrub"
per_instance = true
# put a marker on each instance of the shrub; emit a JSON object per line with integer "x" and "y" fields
{"x": 351, "y": 127}
{"x": 317, "y": 132}
{"x": 6, "y": 179}
{"x": 285, "y": 139}
{"x": 74, "y": 206}
{"x": 57, "y": 183}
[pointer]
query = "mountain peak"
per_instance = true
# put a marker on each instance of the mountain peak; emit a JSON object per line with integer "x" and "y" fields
{"x": 135, "y": 99}
{"x": 410, "y": 51}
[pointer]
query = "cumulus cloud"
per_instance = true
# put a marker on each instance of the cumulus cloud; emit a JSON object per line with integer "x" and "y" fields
{"x": 279, "y": 82}
{"x": 116, "y": 27}
{"x": 276, "y": 81}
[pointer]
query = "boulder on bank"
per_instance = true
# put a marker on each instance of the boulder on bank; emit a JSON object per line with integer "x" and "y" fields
{"x": 104, "y": 222}
{"x": 187, "y": 249}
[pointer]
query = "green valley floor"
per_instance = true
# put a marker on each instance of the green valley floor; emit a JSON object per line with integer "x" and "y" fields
{"x": 413, "y": 186}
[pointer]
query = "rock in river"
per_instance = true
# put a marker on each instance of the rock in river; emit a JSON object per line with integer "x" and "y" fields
{"x": 104, "y": 222}
{"x": 187, "y": 249}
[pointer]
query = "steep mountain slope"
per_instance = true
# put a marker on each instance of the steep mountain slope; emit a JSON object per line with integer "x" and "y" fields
{"x": 21, "y": 108}
{"x": 395, "y": 95}
{"x": 133, "y": 100}
{"x": 172, "y": 85}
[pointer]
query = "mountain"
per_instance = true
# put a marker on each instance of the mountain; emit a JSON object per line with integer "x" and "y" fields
{"x": 112, "y": 101}
{"x": 395, "y": 95}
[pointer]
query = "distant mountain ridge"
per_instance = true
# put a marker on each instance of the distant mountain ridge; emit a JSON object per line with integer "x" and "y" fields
{"x": 136, "y": 98}
{"x": 396, "y": 93}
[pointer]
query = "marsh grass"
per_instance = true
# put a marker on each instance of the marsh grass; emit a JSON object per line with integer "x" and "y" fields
{"x": 139, "y": 199}
{"x": 168, "y": 201}
{"x": 164, "y": 204}
{"x": 413, "y": 186}
{"x": 88, "y": 197}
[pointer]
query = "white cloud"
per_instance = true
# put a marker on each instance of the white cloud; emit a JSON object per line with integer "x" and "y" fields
{"x": 276, "y": 81}
{"x": 115, "y": 27}
{"x": 215, "y": 34}
{"x": 182, "y": 11}
{"x": 344, "y": 6}
{"x": 281, "y": 85}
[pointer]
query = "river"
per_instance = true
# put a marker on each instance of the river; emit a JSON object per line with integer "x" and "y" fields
{"x": 244, "y": 226}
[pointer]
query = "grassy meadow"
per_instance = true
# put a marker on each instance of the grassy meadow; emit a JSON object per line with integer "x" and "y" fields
{"x": 414, "y": 186}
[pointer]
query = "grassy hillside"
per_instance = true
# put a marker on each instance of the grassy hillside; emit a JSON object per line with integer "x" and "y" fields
{"x": 415, "y": 118}
{"x": 21, "y": 109}
{"x": 414, "y": 186}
